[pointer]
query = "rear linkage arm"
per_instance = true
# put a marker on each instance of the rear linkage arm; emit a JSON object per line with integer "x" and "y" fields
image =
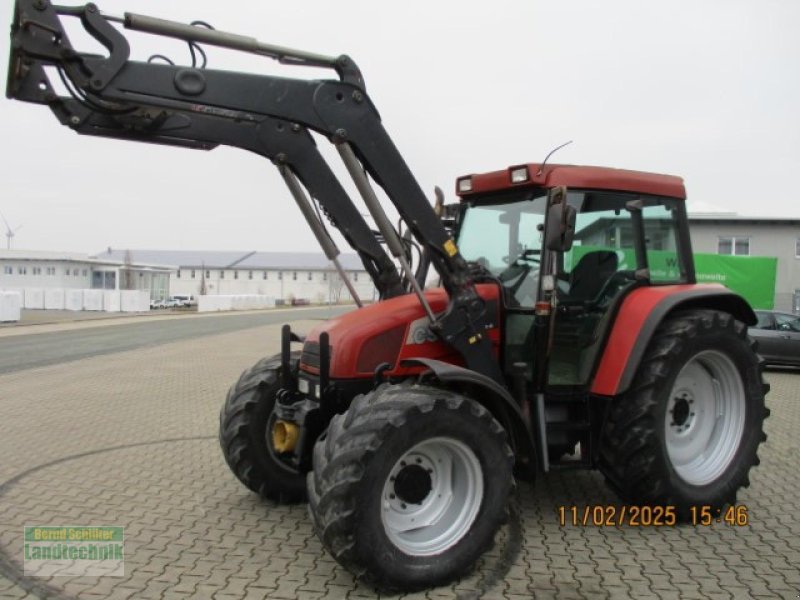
{"x": 340, "y": 110}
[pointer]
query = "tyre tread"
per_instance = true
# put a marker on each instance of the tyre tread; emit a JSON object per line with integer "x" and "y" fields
{"x": 236, "y": 418}
{"x": 352, "y": 440}
{"x": 629, "y": 453}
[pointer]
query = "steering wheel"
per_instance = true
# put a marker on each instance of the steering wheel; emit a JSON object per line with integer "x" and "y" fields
{"x": 527, "y": 255}
{"x": 609, "y": 286}
{"x": 514, "y": 277}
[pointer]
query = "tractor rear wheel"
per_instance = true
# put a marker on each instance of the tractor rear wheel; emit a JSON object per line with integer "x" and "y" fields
{"x": 245, "y": 434}
{"x": 410, "y": 485}
{"x": 687, "y": 431}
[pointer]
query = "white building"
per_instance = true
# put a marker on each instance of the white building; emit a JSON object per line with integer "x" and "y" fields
{"x": 31, "y": 269}
{"x": 286, "y": 276}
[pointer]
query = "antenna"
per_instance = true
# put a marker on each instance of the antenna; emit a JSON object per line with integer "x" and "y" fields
{"x": 553, "y": 151}
{"x": 9, "y": 232}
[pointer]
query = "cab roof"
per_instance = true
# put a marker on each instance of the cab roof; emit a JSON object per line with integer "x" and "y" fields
{"x": 579, "y": 177}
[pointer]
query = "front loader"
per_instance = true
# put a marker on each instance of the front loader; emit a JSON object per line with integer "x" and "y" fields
{"x": 568, "y": 331}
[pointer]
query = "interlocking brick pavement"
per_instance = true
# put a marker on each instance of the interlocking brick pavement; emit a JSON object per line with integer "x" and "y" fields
{"x": 130, "y": 439}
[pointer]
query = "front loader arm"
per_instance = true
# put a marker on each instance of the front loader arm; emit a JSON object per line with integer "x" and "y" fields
{"x": 339, "y": 110}
{"x": 283, "y": 143}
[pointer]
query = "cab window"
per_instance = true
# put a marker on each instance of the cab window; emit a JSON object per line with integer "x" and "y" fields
{"x": 764, "y": 321}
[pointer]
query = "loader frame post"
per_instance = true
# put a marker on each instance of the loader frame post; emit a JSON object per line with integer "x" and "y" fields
{"x": 286, "y": 367}
{"x": 324, "y": 371}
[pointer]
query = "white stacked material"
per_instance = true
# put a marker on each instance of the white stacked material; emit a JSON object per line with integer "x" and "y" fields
{"x": 92, "y": 299}
{"x": 242, "y": 302}
{"x": 214, "y": 303}
{"x": 10, "y": 306}
{"x": 34, "y": 298}
{"x": 265, "y": 302}
{"x": 112, "y": 301}
{"x": 134, "y": 301}
{"x": 234, "y": 302}
{"x": 54, "y": 299}
{"x": 73, "y": 299}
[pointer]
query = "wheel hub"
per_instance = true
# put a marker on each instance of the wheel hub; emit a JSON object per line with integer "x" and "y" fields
{"x": 682, "y": 411}
{"x": 432, "y": 496}
{"x": 705, "y": 417}
{"x": 413, "y": 484}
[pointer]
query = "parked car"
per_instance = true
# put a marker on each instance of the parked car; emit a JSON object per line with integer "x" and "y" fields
{"x": 184, "y": 299}
{"x": 156, "y": 304}
{"x": 778, "y": 336}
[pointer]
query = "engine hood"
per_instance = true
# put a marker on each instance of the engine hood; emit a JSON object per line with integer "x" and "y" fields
{"x": 387, "y": 331}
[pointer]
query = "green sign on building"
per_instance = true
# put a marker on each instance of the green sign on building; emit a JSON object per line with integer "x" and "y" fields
{"x": 752, "y": 277}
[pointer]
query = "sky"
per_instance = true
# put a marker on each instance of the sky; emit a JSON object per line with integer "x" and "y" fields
{"x": 708, "y": 91}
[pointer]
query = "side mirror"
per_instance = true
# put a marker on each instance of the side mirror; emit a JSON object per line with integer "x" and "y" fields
{"x": 560, "y": 228}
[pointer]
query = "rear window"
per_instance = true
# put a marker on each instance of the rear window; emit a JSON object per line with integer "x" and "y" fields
{"x": 763, "y": 321}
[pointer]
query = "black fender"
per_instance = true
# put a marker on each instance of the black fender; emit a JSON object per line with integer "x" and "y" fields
{"x": 495, "y": 398}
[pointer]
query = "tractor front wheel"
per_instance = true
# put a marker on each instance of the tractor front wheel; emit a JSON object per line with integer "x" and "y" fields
{"x": 687, "y": 431}
{"x": 410, "y": 485}
{"x": 245, "y": 426}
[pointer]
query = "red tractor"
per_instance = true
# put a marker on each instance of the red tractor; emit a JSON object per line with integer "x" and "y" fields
{"x": 568, "y": 331}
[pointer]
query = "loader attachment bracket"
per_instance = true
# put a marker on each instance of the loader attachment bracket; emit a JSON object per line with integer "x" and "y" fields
{"x": 37, "y": 32}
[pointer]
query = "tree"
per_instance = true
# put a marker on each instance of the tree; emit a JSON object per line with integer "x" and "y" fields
{"x": 335, "y": 286}
{"x": 203, "y": 278}
{"x": 127, "y": 272}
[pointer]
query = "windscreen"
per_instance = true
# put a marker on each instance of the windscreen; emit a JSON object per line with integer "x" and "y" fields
{"x": 504, "y": 236}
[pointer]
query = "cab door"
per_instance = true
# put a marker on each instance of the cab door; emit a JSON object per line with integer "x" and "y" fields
{"x": 621, "y": 241}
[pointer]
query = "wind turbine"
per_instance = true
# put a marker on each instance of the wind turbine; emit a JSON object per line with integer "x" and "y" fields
{"x": 9, "y": 232}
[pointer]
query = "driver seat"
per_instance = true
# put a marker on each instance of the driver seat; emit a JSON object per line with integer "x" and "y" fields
{"x": 591, "y": 273}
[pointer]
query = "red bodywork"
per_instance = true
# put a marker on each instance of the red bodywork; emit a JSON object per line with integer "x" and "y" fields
{"x": 633, "y": 313}
{"x": 363, "y": 339}
{"x": 578, "y": 177}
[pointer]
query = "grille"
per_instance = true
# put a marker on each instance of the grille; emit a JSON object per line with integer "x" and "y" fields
{"x": 310, "y": 355}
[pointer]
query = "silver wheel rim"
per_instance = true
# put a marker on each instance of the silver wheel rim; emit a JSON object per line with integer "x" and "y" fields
{"x": 705, "y": 417}
{"x": 446, "y": 499}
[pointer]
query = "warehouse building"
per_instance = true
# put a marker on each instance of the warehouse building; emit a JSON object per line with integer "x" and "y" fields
{"x": 30, "y": 269}
{"x": 311, "y": 277}
{"x": 732, "y": 234}
{"x": 287, "y": 276}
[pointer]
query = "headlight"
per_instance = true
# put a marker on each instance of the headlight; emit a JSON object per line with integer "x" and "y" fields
{"x": 519, "y": 174}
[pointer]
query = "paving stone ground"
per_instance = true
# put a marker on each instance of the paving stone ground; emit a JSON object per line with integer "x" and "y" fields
{"x": 130, "y": 439}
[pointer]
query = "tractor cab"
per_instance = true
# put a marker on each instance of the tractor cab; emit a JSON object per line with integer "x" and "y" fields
{"x": 566, "y": 244}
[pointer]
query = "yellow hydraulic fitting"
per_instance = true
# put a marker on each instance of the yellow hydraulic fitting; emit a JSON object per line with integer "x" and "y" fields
{"x": 284, "y": 436}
